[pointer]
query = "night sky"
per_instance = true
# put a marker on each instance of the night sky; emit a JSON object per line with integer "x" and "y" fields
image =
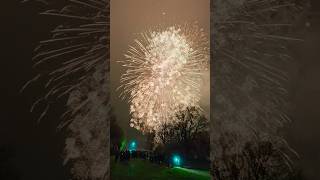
{"x": 304, "y": 133}
{"x": 128, "y": 19}
{"x": 36, "y": 148}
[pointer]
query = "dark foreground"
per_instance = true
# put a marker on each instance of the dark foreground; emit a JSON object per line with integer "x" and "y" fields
{"x": 144, "y": 170}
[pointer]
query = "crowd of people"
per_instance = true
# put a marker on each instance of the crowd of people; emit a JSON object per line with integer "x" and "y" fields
{"x": 154, "y": 157}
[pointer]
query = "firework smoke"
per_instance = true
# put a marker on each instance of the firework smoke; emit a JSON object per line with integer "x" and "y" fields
{"x": 164, "y": 72}
{"x": 250, "y": 76}
{"x": 74, "y": 64}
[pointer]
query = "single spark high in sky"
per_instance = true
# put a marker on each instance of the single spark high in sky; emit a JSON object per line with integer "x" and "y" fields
{"x": 164, "y": 71}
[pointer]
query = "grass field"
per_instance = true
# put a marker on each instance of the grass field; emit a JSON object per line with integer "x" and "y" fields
{"x": 143, "y": 170}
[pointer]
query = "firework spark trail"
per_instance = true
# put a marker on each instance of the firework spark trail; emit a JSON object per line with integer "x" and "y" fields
{"x": 164, "y": 71}
{"x": 250, "y": 74}
{"x": 73, "y": 63}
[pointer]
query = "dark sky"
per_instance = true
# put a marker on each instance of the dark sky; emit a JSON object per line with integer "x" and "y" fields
{"x": 304, "y": 133}
{"x": 130, "y": 17}
{"x": 35, "y": 148}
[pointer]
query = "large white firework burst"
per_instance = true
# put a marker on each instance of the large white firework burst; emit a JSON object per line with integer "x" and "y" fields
{"x": 164, "y": 71}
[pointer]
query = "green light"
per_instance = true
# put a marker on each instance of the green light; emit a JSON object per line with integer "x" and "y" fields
{"x": 176, "y": 160}
{"x": 123, "y": 145}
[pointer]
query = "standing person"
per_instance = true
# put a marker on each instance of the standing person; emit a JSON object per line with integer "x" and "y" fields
{"x": 117, "y": 154}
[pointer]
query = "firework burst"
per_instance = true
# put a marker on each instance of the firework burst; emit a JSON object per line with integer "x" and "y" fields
{"x": 164, "y": 71}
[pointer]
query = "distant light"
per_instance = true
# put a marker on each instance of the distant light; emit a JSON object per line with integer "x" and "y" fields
{"x": 176, "y": 160}
{"x": 123, "y": 145}
{"x": 132, "y": 145}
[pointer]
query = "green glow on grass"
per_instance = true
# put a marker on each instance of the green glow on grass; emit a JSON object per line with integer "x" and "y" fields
{"x": 193, "y": 171}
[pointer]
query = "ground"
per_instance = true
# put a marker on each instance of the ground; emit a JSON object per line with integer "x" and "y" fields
{"x": 144, "y": 170}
